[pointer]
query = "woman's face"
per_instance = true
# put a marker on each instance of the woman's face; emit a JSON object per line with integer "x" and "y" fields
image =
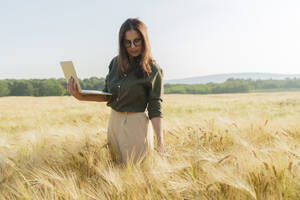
{"x": 133, "y": 43}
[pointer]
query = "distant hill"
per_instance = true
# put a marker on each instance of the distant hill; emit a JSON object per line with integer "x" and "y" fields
{"x": 219, "y": 78}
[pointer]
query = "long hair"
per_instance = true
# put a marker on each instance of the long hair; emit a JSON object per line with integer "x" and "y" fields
{"x": 145, "y": 57}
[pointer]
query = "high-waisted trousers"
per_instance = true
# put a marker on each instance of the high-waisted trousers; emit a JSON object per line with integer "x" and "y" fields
{"x": 130, "y": 136}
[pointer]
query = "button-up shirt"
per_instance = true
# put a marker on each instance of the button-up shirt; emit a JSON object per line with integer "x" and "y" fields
{"x": 130, "y": 93}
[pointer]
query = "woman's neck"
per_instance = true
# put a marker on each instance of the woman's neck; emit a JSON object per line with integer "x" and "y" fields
{"x": 132, "y": 58}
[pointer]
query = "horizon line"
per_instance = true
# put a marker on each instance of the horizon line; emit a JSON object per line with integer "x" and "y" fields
{"x": 190, "y": 77}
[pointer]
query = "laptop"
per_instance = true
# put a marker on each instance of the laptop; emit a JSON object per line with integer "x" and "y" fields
{"x": 69, "y": 70}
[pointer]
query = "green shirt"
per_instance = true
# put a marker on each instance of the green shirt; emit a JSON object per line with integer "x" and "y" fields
{"x": 130, "y": 93}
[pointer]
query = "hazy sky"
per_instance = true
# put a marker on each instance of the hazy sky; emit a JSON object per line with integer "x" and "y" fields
{"x": 188, "y": 38}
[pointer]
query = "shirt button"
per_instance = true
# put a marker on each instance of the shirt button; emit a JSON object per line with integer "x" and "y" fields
{"x": 118, "y": 86}
{"x": 118, "y": 99}
{"x": 125, "y": 75}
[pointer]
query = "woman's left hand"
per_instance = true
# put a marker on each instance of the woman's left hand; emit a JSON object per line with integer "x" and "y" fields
{"x": 161, "y": 150}
{"x": 160, "y": 147}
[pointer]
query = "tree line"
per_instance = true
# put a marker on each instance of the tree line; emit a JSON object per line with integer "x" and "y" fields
{"x": 54, "y": 87}
{"x": 44, "y": 87}
{"x": 234, "y": 86}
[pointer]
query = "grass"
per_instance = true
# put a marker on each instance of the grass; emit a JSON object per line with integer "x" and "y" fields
{"x": 227, "y": 146}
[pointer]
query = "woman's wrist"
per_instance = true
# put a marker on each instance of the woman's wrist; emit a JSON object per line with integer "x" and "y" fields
{"x": 160, "y": 140}
{"x": 78, "y": 96}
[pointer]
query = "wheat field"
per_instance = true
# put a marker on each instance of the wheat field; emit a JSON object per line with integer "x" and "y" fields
{"x": 233, "y": 146}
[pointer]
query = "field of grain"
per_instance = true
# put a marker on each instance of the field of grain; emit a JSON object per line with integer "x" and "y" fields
{"x": 233, "y": 146}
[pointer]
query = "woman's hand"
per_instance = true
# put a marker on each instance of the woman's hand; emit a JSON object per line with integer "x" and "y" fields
{"x": 73, "y": 89}
{"x": 160, "y": 147}
{"x": 161, "y": 150}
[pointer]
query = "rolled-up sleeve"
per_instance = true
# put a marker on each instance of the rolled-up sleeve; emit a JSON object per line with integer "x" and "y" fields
{"x": 155, "y": 94}
{"x": 107, "y": 76}
{"x": 105, "y": 85}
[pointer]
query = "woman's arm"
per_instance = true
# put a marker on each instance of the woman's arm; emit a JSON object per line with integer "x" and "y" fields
{"x": 158, "y": 129}
{"x": 73, "y": 90}
{"x": 93, "y": 97}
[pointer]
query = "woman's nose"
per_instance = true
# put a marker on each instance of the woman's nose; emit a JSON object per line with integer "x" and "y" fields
{"x": 132, "y": 45}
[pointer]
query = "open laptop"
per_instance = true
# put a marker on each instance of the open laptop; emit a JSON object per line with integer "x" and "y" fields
{"x": 69, "y": 70}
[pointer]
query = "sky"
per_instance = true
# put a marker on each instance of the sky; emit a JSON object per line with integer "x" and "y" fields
{"x": 188, "y": 38}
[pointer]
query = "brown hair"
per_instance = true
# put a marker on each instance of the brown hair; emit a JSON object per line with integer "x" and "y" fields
{"x": 123, "y": 58}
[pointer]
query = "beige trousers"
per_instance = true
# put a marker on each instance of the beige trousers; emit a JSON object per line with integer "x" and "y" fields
{"x": 130, "y": 136}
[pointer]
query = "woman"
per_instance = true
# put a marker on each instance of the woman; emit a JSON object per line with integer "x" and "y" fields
{"x": 135, "y": 81}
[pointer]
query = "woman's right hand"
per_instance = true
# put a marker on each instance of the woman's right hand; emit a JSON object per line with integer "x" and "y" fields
{"x": 73, "y": 89}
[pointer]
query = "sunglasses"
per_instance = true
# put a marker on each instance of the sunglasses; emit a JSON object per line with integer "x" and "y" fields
{"x": 137, "y": 42}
